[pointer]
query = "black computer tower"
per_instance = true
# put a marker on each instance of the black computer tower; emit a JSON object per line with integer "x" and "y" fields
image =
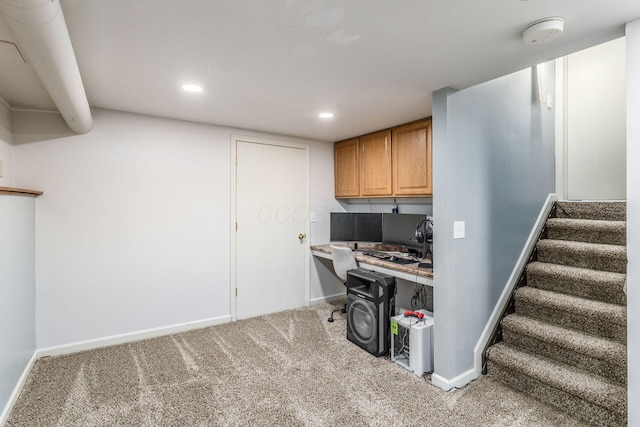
{"x": 370, "y": 305}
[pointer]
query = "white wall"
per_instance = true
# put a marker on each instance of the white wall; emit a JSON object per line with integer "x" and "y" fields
{"x": 133, "y": 228}
{"x": 6, "y": 146}
{"x": 17, "y": 290}
{"x": 324, "y": 284}
{"x": 596, "y": 123}
{"x": 633, "y": 219}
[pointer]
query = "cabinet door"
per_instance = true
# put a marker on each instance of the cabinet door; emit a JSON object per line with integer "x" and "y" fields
{"x": 345, "y": 157}
{"x": 412, "y": 174}
{"x": 375, "y": 164}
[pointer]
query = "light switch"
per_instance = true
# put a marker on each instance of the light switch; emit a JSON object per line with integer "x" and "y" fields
{"x": 1, "y": 169}
{"x": 458, "y": 229}
{"x": 313, "y": 217}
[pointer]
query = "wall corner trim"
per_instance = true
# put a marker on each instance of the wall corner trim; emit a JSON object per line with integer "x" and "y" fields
{"x": 4, "y": 416}
{"x": 458, "y": 382}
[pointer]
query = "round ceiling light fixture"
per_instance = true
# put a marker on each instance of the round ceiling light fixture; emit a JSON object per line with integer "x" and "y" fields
{"x": 326, "y": 115}
{"x": 543, "y": 30}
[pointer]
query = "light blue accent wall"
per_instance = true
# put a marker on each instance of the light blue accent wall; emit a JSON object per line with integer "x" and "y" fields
{"x": 17, "y": 290}
{"x": 494, "y": 165}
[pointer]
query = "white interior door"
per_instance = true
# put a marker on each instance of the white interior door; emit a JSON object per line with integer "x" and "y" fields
{"x": 271, "y": 248}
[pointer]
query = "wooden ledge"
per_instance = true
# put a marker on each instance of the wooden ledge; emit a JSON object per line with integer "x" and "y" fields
{"x": 20, "y": 192}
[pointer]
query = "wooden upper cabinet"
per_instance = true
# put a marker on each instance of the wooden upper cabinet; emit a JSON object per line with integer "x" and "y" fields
{"x": 412, "y": 173}
{"x": 389, "y": 163}
{"x": 374, "y": 152}
{"x": 345, "y": 156}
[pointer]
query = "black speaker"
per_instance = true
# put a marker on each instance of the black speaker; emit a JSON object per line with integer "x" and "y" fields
{"x": 370, "y": 304}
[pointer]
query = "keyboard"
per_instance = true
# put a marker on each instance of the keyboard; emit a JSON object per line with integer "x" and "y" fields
{"x": 388, "y": 256}
{"x": 377, "y": 254}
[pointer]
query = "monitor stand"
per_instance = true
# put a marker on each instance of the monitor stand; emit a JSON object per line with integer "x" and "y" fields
{"x": 429, "y": 264}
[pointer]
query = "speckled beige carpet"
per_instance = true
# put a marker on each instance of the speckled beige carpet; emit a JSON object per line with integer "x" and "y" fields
{"x": 291, "y": 368}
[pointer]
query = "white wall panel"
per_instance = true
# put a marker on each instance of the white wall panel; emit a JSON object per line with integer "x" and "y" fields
{"x": 596, "y": 120}
{"x": 133, "y": 229}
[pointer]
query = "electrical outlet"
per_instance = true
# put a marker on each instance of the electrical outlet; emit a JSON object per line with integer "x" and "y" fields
{"x": 458, "y": 229}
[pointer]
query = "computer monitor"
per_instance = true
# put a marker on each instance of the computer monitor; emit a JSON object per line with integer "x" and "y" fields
{"x": 356, "y": 227}
{"x": 400, "y": 229}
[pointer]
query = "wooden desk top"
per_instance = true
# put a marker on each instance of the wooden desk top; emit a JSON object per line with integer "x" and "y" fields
{"x": 405, "y": 271}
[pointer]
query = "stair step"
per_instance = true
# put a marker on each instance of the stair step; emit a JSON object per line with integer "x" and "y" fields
{"x": 587, "y": 230}
{"x": 597, "y": 285}
{"x": 596, "y": 318}
{"x": 598, "y": 356}
{"x": 585, "y": 255}
{"x": 608, "y": 211}
{"x": 585, "y": 395}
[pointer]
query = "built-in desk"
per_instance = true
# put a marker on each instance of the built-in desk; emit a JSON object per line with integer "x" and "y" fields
{"x": 409, "y": 272}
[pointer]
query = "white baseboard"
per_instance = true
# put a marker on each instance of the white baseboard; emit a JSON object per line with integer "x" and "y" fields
{"x": 457, "y": 382}
{"x": 17, "y": 389}
{"x": 129, "y": 337}
{"x": 327, "y": 298}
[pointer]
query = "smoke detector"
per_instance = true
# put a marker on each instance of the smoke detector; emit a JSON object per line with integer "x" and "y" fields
{"x": 543, "y": 31}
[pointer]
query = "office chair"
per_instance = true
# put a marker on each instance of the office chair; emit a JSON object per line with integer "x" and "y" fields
{"x": 343, "y": 261}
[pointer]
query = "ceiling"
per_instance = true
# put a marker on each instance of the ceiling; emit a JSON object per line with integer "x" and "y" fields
{"x": 274, "y": 65}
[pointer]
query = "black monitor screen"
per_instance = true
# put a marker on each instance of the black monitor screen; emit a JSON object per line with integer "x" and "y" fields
{"x": 356, "y": 227}
{"x": 400, "y": 229}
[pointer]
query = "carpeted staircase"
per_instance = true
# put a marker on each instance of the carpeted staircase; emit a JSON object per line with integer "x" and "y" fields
{"x": 566, "y": 341}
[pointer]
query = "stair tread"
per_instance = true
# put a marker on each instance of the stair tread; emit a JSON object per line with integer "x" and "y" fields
{"x": 579, "y": 273}
{"x": 597, "y": 309}
{"x": 592, "y": 210}
{"x": 589, "y": 387}
{"x": 616, "y": 251}
{"x": 599, "y": 348}
{"x": 587, "y": 230}
{"x": 587, "y": 223}
{"x": 605, "y": 286}
{"x": 597, "y": 256}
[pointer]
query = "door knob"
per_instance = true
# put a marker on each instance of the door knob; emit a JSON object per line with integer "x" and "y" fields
{"x": 301, "y": 236}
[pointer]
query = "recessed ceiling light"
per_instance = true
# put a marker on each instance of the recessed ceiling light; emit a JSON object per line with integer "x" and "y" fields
{"x": 192, "y": 88}
{"x": 326, "y": 115}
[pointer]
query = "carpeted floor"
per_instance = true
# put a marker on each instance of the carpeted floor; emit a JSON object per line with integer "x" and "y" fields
{"x": 291, "y": 368}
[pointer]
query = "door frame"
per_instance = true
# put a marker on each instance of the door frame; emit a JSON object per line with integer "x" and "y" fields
{"x": 235, "y": 138}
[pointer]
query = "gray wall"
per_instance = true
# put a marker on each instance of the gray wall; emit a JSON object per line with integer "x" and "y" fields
{"x": 494, "y": 166}
{"x": 17, "y": 290}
